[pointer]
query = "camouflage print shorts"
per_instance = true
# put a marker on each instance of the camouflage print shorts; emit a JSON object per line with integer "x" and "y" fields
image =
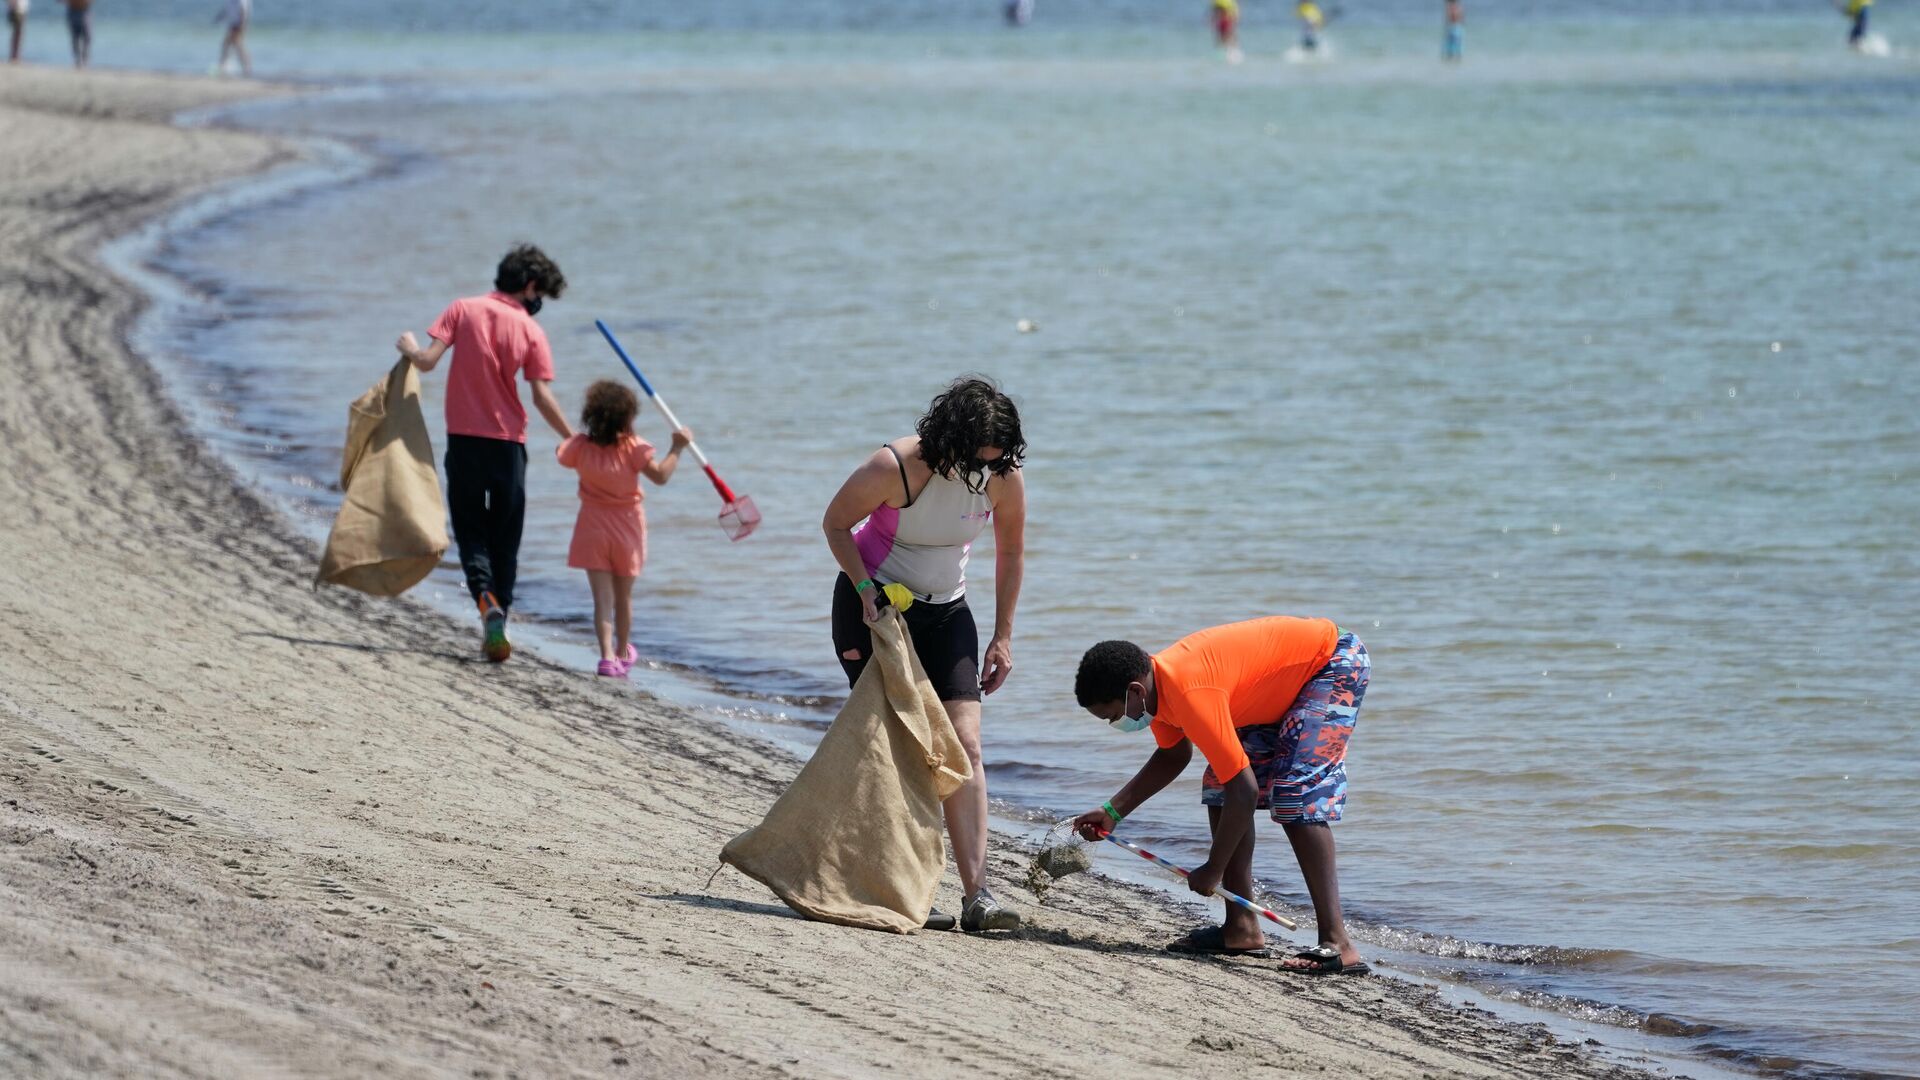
{"x": 1300, "y": 760}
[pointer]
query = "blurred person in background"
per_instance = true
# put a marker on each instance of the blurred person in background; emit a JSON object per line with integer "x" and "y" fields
{"x": 1226, "y": 28}
{"x": 1857, "y": 11}
{"x": 17, "y": 22}
{"x": 80, "y": 29}
{"x": 1451, "y": 44}
{"x": 1312, "y": 21}
{"x": 235, "y": 15}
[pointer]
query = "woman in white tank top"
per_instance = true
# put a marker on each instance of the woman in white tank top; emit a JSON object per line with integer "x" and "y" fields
{"x": 909, "y": 516}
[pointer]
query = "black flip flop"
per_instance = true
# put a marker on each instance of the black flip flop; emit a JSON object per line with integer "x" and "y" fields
{"x": 1326, "y": 961}
{"x": 1212, "y": 941}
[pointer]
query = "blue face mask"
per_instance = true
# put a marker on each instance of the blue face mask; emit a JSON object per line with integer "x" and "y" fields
{"x": 1127, "y": 722}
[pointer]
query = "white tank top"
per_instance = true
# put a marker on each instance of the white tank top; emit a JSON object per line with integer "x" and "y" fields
{"x": 924, "y": 544}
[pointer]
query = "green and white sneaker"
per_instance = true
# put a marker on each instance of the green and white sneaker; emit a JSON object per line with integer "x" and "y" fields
{"x": 493, "y": 630}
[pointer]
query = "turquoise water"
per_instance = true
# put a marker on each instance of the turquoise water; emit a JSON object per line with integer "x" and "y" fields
{"x": 1574, "y": 379}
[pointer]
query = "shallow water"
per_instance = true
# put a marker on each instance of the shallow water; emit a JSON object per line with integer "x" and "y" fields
{"x": 1574, "y": 380}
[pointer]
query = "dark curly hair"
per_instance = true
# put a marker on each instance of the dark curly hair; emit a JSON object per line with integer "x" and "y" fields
{"x": 609, "y": 412}
{"x": 1107, "y": 669}
{"x": 971, "y": 413}
{"x": 527, "y": 265}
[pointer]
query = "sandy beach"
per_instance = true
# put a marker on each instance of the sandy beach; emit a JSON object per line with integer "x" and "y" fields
{"x": 254, "y": 829}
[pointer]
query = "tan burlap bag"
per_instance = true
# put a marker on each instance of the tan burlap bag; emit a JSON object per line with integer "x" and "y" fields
{"x": 392, "y": 528}
{"x": 857, "y": 838}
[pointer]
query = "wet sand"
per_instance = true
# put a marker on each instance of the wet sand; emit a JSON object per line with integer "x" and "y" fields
{"x": 249, "y": 828}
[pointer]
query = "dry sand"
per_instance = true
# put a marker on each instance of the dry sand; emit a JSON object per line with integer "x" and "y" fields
{"x": 247, "y": 828}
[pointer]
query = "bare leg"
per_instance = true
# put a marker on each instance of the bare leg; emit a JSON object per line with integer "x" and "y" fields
{"x": 1242, "y": 928}
{"x": 1313, "y": 846}
{"x": 601, "y": 582}
{"x": 622, "y": 614}
{"x": 966, "y": 809}
{"x": 13, "y": 54}
{"x": 234, "y": 44}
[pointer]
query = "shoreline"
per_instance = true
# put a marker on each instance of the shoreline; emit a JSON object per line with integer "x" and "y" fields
{"x": 756, "y": 714}
{"x": 288, "y": 806}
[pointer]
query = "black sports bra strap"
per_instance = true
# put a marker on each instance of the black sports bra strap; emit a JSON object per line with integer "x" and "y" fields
{"x": 902, "y": 462}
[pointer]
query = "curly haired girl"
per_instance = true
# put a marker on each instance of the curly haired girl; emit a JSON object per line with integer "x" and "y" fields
{"x": 610, "y": 535}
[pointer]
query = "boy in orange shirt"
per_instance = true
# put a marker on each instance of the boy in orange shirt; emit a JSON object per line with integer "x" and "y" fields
{"x": 1270, "y": 703}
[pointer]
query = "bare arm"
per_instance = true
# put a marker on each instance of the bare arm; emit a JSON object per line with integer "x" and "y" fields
{"x": 873, "y": 483}
{"x": 1163, "y": 768}
{"x": 549, "y": 407}
{"x": 1009, "y": 556}
{"x": 424, "y": 359}
{"x": 1236, "y": 817}
{"x": 660, "y": 469}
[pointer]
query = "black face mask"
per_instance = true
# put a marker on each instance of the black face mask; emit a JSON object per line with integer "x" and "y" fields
{"x": 532, "y": 305}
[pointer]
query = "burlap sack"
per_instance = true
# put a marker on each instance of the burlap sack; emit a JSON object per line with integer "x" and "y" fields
{"x": 392, "y": 528}
{"x": 857, "y": 838}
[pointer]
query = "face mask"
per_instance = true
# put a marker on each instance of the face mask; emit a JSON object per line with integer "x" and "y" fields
{"x": 1127, "y": 723}
{"x": 532, "y": 306}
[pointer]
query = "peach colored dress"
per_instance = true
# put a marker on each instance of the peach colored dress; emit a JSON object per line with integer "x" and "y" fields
{"x": 611, "y": 532}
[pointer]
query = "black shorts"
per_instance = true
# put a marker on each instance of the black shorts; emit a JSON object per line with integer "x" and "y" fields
{"x": 944, "y": 638}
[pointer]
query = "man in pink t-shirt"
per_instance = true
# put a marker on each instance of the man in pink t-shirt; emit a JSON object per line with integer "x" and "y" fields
{"x": 494, "y": 339}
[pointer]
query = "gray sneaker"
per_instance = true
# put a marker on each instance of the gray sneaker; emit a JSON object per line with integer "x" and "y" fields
{"x": 983, "y": 913}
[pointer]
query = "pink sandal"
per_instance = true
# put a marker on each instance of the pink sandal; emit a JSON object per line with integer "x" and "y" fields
{"x": 612, "y": 669}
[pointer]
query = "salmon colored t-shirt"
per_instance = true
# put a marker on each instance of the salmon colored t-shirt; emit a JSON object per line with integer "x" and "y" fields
{"x": 1235, "y": 676}
{"x": 493, "y": 340}
{"x": 609, "y": 475}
